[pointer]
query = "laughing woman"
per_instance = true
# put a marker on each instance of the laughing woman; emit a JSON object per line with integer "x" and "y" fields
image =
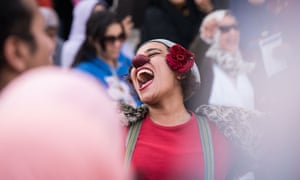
{"x": 165, "y": 140}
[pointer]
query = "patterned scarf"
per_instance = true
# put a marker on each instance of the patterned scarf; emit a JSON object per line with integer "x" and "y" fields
{"x": 230, "y": 62}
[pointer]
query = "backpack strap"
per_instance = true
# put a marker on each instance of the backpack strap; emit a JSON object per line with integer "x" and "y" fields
{"x": 207, "y": 148}
{"x": 131, "y": 140}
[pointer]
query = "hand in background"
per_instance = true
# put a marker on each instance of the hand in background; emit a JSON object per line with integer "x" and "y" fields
{"x": 204, "y": 5}
{"x": 128, "y": 25}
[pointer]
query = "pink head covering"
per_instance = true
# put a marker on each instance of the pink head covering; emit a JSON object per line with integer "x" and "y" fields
{"x": 58, "y": 125}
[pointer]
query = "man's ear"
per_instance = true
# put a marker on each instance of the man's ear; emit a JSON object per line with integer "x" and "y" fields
{"x": 16, "y": 53}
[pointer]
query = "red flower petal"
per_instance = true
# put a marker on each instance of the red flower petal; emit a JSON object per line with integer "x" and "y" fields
{"x": 179, "y": 59}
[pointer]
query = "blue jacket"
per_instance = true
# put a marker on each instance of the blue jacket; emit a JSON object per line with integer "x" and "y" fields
{"x": 113, "y": 79}
{"x": 100, "y": 69}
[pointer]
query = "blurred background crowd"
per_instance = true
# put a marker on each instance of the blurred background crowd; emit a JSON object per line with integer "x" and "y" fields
{"x": 265, "y": 34}
{"x": 246, "y": 52}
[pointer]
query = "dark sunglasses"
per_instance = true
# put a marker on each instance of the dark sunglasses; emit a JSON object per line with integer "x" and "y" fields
{"x": 113, "y": 39}
{"x": 226, "y": 29}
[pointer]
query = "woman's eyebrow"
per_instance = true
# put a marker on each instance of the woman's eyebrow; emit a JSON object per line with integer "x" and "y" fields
{"x": 153, "y": 49}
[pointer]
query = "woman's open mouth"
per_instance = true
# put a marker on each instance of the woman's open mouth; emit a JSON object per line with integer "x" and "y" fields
{"x": 144, "y": 78}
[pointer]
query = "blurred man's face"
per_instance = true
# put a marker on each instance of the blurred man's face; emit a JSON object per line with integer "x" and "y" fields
{"x": 23, "y": 52}
{"x": 42, "y": 54}
{"x": 52, "y": 33}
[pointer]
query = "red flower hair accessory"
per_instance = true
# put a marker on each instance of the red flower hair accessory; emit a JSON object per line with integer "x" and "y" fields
{"x": 179, "y": 59}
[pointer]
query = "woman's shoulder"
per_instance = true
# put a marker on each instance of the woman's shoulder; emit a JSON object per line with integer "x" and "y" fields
{"x": 243, "y": 130}
{"x": 239, "y": 125}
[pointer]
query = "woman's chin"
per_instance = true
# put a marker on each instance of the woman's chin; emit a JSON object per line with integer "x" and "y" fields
{"x": 147, "y": 99}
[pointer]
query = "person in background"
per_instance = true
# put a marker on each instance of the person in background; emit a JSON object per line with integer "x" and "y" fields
{"x": 278, "y": 92}
{"x": 177, "y": 20}
{"x": 224, "y": 72}
{"x": 166, "y": 140}
{"x": 100, "y": 55}
{"x": 64, "y": 11}
{"x": 51, "y": 129}
{"x": 52, "y": 28}
{"x": 24, "y": 43}
{"x": 198, "y": 46}
{"x": 81, "y": 14}
{"x": 267, "y": 26}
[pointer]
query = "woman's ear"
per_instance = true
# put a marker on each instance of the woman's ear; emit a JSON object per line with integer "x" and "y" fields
{"x": 16, "y": 53}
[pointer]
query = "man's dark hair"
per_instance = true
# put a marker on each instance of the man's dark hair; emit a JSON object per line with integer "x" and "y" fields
{"x": 15, "y": 20}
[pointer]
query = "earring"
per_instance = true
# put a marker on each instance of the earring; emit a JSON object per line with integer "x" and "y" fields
{"x": 180, "y": 77}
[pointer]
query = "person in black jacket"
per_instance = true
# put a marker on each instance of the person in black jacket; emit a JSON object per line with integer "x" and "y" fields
{"x": 176, "y": 21}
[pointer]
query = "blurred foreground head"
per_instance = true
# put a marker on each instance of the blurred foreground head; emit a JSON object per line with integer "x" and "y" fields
{"x": 24, "y": 43}
{"x": 58, "y": 125}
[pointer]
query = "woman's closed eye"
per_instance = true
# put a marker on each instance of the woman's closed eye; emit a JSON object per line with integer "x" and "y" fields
{"x": 150, "y": 55}
{"x": 151, "y": 52}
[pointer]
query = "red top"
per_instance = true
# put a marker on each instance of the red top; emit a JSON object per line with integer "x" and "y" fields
{"x": 176, "y": 153}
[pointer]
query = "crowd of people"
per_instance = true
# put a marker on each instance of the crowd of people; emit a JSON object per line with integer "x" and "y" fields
{"x": 180, "y": 89}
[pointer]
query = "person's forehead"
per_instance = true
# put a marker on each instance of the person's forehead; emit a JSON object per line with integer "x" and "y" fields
{"x": 32, "y": 6}
{"x": 114, "y": 29}
{"x": 151, "y": 46}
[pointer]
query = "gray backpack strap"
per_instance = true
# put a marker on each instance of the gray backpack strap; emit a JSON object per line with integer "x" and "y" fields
{"x": 207, "y": 147}
{"x": 132, "y": 136}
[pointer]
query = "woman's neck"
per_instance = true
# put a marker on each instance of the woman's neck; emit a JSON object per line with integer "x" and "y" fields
{"x": 170, "y": 114}
{"x": 110, "y": 61}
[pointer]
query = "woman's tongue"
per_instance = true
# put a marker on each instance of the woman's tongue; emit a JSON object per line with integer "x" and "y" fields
{"x": 145, "y": 78}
